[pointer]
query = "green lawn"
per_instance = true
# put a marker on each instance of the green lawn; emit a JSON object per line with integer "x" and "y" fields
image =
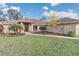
{"x": 37, "y": 45}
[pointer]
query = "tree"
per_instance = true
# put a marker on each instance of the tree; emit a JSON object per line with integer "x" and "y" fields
{"x": 54, "y": 19}
{"x": 53, "y": 16}
{"x": 54, "y": 23}
{"x": 14, "y": 14}
{"x": 2, "y": 16}
{"x": 10, "y": 14}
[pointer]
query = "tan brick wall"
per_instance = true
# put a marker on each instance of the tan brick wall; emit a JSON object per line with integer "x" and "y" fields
{"x": 77, "y": 30}
{"x": 31, "y": 27}
{"x": 69, "y": 27}
{"x": 6, "y": 28}
{"x": 62, "y": 29}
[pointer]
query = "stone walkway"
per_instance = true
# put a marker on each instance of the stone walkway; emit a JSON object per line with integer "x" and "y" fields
{"x": 28, "y": 33}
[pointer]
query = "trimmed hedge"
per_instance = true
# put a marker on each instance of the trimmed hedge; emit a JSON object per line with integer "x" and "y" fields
{"x": 44, "y": 27}
{"x": 71, "y": 33}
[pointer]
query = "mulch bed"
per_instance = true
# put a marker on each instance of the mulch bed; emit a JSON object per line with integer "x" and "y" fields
{"x": 12, "y": 34}
{"x": 15, "y": 34}
{"x": 48, "y": 33}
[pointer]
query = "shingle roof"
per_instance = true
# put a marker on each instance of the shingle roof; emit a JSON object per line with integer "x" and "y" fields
{"x": 35, "y": 22}
{"x": 39, "y": 22}
{"x": 68, "y": 20}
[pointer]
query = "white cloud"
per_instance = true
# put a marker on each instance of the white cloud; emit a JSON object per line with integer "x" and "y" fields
{"x": 12, "y": 7}
{"x": 45, "y": 13}
{"x": 16, "y": 8}
{"x": 54, "y": 4}
{"x": 3, "y": 5}
{"x": 70, "y": 10}
{"x": 51, "y": 11}
{"x": 6, "y": 17}
{"x": 68, "y": 13}
{"x": 45, "y": 8}
{"x": 5, "y": 10}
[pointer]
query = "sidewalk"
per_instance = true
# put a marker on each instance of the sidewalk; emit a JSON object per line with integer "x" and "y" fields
{"x": 53, "y": 36}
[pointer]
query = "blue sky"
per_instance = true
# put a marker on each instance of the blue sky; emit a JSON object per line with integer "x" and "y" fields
{"x": 36, "y": 10}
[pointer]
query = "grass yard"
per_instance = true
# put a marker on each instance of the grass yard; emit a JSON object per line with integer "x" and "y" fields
{"x": 36, "y": 45}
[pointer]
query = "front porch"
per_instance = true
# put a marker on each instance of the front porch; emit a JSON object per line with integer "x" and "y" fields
{"x": 27, "y": 26}
{"x": 30, "y": 27}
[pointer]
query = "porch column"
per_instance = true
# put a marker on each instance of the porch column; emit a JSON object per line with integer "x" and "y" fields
{"x": 38, "y": 28}
{"x": 22, "y": 31}
{"x": 31, "y": 27}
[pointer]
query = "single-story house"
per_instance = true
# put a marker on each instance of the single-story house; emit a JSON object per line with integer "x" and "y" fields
{"x": 66, "y": 25}
{"x": 29, "y": 25}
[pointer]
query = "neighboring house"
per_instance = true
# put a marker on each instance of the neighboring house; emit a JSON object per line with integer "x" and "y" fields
{"x": 67, "y": 24}
{"x": 29, "y": 25}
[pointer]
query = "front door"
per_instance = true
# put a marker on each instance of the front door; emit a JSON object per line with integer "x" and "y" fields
{"x": 26, "y": 27}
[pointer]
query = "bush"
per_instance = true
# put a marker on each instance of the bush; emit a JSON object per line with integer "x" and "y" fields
{"x": 71, "y": 34}
{"x": 1, "y": 28}
{"x": 20, "y": 27}
{"x": 43, "y": 27}
{"x": 15, "y": 27}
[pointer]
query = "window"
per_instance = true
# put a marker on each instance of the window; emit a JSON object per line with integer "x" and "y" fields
{"x": 34, "y": 27}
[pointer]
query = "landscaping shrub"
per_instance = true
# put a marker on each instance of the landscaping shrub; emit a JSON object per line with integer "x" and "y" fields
{"x": 44, "y": 27}
{"x": 1, "y": 28}
{"x": 20, "y": 27}
{"x": 71, "y": 34}
{"x": 13, "y": 27}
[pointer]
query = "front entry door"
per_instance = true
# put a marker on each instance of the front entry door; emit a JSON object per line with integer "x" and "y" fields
{"x": 26, "y": 27}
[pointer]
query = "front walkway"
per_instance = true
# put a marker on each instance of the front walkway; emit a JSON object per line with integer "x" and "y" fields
{"x": 28, "y": 33}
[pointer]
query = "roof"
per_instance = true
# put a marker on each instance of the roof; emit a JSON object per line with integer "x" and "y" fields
{"x": 68, "y": 21}
{"x": 35, "y": 22}
{"x": 39, "y": 22}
